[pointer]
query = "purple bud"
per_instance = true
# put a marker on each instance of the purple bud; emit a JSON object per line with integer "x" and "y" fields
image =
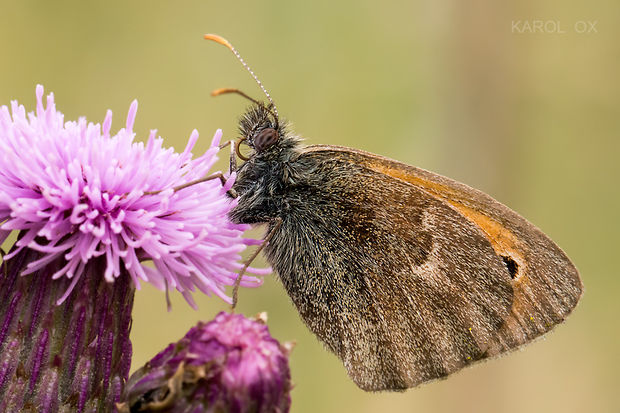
{"x": 230, "y": 364}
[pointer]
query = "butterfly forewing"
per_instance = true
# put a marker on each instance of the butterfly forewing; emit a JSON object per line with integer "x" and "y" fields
{"x": 408, "y": 276}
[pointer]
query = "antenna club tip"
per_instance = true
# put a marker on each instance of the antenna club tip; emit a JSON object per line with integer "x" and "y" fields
{"x": 218, "y": 39}
{"x": 224, "y": 90}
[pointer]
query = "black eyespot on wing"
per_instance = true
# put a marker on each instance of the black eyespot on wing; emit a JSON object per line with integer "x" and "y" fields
{"x": 265, "y": 139}
{"x": 512, "y": 266}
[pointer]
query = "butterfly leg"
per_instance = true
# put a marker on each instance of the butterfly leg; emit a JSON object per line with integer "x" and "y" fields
{"x": 217, "y": 175}
{"x": 276, "y": 227}
{"x": 233, "y": 158}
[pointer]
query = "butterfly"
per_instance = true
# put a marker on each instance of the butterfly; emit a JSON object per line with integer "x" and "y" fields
{"x": 407, "y": 276}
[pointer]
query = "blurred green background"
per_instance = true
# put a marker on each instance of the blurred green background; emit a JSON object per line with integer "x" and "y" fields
{"x": 479, "y": 91}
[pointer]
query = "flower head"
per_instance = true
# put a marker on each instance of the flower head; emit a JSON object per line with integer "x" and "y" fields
{"x": 75, "y": 191}
{"x": 230, "y": 364}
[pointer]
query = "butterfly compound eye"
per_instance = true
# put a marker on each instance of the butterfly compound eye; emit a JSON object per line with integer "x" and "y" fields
{"x": 265, "y": 139}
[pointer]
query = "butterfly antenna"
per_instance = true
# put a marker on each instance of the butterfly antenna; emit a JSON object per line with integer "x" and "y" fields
{"x": 225, "y": 90}
{"x": 224, "y": 42}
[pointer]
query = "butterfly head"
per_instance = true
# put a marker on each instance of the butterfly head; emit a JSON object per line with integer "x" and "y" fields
{"x": 268, "y": 165}
{"x": 260, "y": 128}
{"x": 264, "y": 133}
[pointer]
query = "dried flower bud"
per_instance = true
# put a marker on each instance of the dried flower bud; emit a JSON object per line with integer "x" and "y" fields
{"x": 231, "y": 364}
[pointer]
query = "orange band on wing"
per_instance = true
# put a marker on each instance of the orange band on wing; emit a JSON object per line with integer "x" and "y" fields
{"x": 503, "y": 241}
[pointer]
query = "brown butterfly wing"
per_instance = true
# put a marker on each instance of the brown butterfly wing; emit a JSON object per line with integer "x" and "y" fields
{"x": 409, "y": 276}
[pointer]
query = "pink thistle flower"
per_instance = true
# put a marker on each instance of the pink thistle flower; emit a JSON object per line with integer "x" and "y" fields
{"x": 76, "y": 192}
{"x": 230, "y": 364}
{"x": 90, "y": 209}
